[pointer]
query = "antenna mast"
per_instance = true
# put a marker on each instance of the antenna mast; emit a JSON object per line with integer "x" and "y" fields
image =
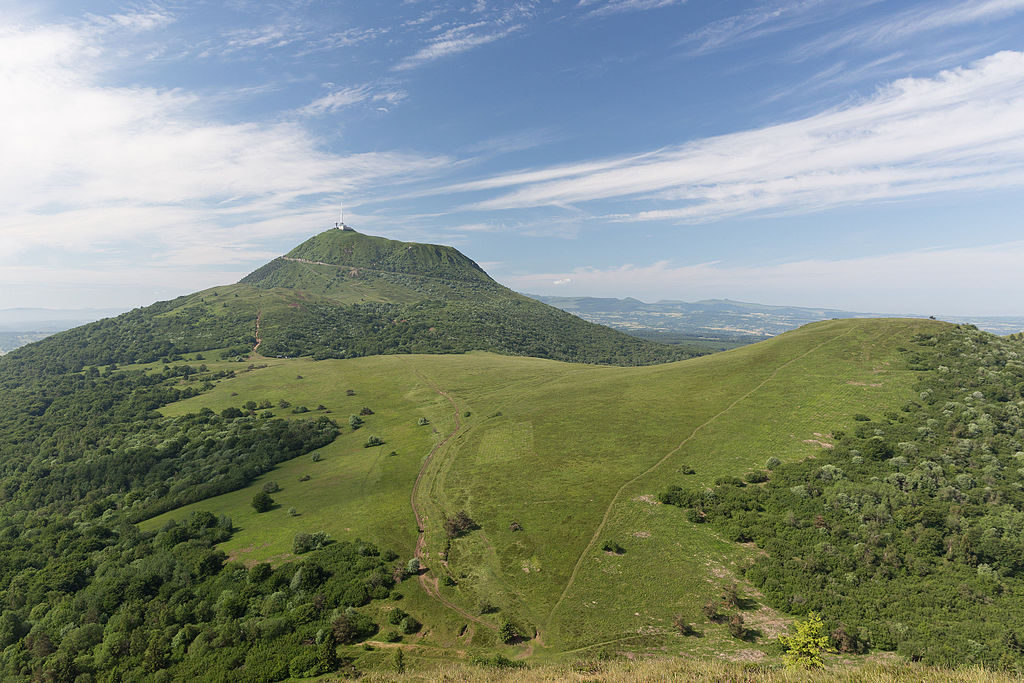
{"x": 341, "y": 224}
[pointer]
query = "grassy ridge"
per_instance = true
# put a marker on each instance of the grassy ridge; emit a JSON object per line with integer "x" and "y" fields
{"x": 575, "y": 455}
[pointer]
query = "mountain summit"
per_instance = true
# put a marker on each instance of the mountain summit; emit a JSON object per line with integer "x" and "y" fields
{"x": 342, "y": 294}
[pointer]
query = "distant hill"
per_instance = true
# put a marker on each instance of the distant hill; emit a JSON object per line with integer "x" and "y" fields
{"x": 343, "y": 294}
{"x": 20, "y": 326}
{"x": 724, "y": 319}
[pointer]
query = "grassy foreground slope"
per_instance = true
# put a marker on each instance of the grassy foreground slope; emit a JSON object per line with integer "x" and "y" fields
{"x": 574, "y": 455}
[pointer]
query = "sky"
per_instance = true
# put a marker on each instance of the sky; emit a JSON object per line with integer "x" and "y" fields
{"x": 866, "y": 155}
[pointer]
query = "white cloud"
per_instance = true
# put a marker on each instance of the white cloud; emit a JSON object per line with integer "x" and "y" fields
{"x": 346, "y": 97}
{"x": 606, "y": 7}
{"x": 961, "y": 130}
{"x": 88, "y": 165}
{"x": 765, "y": 20}
{"x": 905, "y": 24}
{"x": 453, "y": 42}
{"x": 940, "y": 281}
{"x": 136, "y": 21}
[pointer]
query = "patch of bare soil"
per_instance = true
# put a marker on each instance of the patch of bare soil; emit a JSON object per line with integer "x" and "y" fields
{"x": 642, "y": 534}
{"x": 650, "y": 500}
{"x": 743, "y": 656}
{"x": 823, "y": 444}
{"x": 864, "y": 384}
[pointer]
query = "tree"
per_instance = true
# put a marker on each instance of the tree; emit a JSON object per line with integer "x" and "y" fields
{"x": 805, "y": 647}
{"x": 508, "y": 632}
{"x": 459, "y": 524}
{"x": 262, "y": 501}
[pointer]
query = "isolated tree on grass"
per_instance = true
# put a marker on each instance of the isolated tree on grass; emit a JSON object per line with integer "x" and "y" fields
{"x": 805, "y": 647}
{"x": 459, "y": 524}
{"x": 262, "y": 501}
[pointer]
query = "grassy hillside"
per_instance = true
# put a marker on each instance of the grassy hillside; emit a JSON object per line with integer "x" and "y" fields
{"x": 342, "y": 294}
{"x": 575, "y": 455}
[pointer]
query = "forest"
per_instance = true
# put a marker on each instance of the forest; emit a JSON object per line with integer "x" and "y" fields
{"x": 908, "y": 535}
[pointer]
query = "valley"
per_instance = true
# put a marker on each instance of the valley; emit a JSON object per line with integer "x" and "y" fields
{"x": 573, "y": 455}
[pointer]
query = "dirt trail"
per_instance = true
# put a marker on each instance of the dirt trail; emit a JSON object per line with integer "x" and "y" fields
{"x": 615, "y": 498}
{"x": 431, "y": 584}
{"x": 259, "y": 339}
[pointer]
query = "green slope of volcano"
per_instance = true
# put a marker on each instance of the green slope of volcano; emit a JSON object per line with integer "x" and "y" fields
{"x": 342, "y": 294}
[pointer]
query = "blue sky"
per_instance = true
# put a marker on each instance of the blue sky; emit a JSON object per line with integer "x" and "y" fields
{"x": 857, "y": 154}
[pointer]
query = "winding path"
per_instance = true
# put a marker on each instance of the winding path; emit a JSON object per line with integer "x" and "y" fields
{"x": 259, "y": 339}
{"x": 429, "y": 584}
{"x": 615, "y": 498}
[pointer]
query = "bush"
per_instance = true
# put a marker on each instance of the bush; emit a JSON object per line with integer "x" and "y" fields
{"x": 805, "y": 647}
{"x": 262, "y": 501}
{"x": 772, "y": 463}
{"x": 610, "y": 546}
{"x": 736, "y": 627}
{"x": 373, "y": 441}
{"x": 755, "y": 477}
{"x": 271, "y": 487}
{"x": 410, "y": 625}
{"x": 459, "y": 524}
{"x": 508, "y": 632}
{"x": 498, "y": 662}
{"x": 422, "y": 421}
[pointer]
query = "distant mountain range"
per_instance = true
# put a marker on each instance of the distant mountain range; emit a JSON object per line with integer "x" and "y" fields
{"x": 724, "y": 319}
{"x": 20, "y": 326}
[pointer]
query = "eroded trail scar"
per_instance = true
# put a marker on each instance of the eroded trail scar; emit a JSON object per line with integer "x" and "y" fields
{"x": 698, "y": 428}
{"x": 259, "y": 339}
{"x": 430, "y": 584}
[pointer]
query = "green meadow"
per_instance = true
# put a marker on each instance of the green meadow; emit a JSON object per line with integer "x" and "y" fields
{"x": 551, "y": 460}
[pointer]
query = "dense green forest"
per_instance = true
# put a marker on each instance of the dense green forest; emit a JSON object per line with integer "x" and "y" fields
{"x": 908, "y": 535}
{"x": 86, "y": 596}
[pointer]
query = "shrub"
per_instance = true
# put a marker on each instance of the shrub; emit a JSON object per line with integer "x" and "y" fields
{"x": 271, "y": 487}
{"x": 411, "y": 625}
{"x": 373, "y": 441}
{"x": 508, "y": 632}
{"x": 710, "y": 610}
{"x": 736, "y": 627}
{"x": 355, "y": 422}
{"x": 805, "y": 647}
{"x": 610, "y": 546}
{"x": 365, "y": 411}
{"x": 262, "y": 501}
{"x": 683, "y": 626}
{"x": 458, "y": 524}
{"x": 772, "y": 463}
{"x": 498, "y": 662}
{"x": 756, "y": 477}
{"x": 422, "y": 421}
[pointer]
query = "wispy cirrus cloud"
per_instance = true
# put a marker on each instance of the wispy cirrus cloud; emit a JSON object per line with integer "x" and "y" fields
{"x": 903, "y": 25}
{"x": 764, "y": 20}
{"x": 346, "y": 97}
{"x": 453, "y": 42}
{"x": 599, "y": 8}
{"x": 958, "y": 131}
